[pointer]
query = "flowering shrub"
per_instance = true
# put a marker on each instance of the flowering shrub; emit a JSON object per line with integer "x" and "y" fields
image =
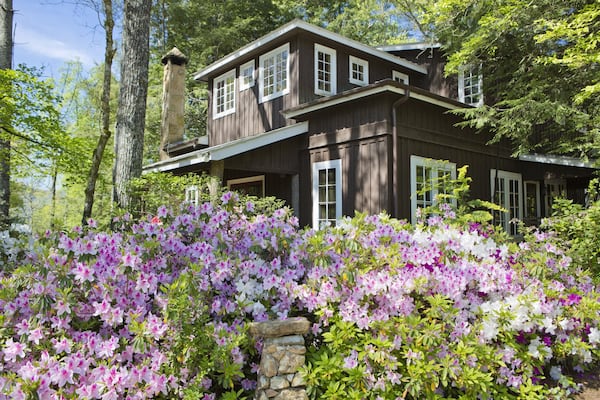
{"x": 155, "y": 310}
{"x": 436, "y": 311}
{"x": 158, "y": 309}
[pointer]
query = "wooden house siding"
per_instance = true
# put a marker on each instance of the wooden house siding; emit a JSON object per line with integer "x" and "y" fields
{"x": 252, "y": 117}
{"x": 378, "y": 69}
{"x": 434, "y": 81}
{"x": 365, "y": 179}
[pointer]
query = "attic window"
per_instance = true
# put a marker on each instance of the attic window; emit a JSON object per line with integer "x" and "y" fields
{"x": 400, "y": 77}
{"x": 224, "y": 94}
{"x": 325, "y": 70}
{"x": 470, "y": 86}
{"x": 274, "y": 69}
{"x": 247, "y": 75}
{"x": 359, "y": 71}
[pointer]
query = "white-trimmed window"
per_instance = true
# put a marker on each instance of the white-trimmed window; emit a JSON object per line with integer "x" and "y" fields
{"x": 224, "y": 94}
{"x": 273, "y": 73}
{"x": 470, "y": 85}
{"x": 359, "y": 71}
{"x": 400, "y": 77}
{"x": 428, "y": 180}
{"x": 191, "y": 195}
{"x": 252, "y": 185}
{"x": 326, "y": 192}
{"x": 507, "y": 193}
{"x": 246, "y": 75}
{"x": 325, "y": 70}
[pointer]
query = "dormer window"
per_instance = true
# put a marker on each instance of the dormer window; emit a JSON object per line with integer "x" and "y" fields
{"x": 400, "y": 77}
{"x": 359, "y": 71}
{"x": 273, "y": 73}
{"x": 224, "y": 94}
{"x": 470, "y": 86}
{"x": 247, "y": 75}
{"x": 325, "y": 70}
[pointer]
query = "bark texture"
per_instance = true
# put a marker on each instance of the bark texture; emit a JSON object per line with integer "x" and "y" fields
{"x": 6, "y": 49}
{"x": 131, "y": 112}
{"x": 109, "y": 54}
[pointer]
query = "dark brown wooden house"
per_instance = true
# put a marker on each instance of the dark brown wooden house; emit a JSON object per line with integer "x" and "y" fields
{"x": 334, "y": 126}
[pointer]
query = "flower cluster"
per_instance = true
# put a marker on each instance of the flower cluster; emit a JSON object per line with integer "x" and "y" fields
{"x": 160, "y": 308}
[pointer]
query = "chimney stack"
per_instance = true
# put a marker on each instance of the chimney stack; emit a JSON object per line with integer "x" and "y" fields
{"x": 173, "y": 104}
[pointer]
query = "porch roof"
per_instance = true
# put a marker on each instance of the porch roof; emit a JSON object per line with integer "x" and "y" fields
{"x": 226, "y": 150}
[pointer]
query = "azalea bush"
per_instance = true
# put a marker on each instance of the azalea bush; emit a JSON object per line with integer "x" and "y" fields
{"x": 160, "y": 307}
{"x": 443, "y": 311}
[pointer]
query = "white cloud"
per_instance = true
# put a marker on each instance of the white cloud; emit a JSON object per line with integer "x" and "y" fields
{"x": 48, "y": 47}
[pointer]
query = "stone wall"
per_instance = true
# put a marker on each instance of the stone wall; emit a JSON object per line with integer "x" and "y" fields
{"x": 282, "y": 356}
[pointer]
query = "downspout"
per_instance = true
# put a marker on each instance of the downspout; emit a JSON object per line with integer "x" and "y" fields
{"x": 395, "y": 195}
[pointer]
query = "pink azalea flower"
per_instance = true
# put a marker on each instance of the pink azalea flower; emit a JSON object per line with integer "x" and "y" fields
{"x": 12, "y": 350}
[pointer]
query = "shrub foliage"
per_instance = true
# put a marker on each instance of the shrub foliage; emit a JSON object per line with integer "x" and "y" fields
{"x": 159, "y": 308}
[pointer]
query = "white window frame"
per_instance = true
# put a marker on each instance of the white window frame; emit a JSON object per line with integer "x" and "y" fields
{"x": 283, "y": 73}
{"x": 400, "y": 77}
{"x": 229, "y": 88}
{"x": 249, "y": 179}
{"x": 246, "y": 76}
{"x": 436, "y": 166}
{"x": 466, "y": 75}
{"x": 538, "y": 205}
{"x": 352, "y": 61}
{"x": 316, "y": 168}
{"x": 332, "y": 73}
{"x": 516, "y": 211}
{"x": 191, "y": 195}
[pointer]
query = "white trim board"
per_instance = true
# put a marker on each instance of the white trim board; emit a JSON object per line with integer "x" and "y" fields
{"x": 230, "y": 149}
{"x": 557, "y": 160}
{"x": 299, "y": 24}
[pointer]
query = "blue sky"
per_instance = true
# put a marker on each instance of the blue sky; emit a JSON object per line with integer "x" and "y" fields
{"x": 49, "y": 33}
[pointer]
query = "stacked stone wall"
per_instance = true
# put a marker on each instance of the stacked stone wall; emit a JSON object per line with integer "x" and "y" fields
{"x": 284, "y": 353}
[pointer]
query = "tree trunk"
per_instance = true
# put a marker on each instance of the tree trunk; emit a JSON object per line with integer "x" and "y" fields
{"x": 109, "y": 54}
{"x": 131, "y": 112}
{"x": 6, "y": 49}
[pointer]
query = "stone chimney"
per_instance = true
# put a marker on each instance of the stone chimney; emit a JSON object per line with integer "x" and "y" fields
{"x": 172, "y": 123}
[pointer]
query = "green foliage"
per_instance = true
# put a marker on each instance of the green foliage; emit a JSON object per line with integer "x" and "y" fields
{"x": 539, "y": 63}
{"x": 579, "y": 227}
{"x": 373, "y": 22}
{"x": 455, "y": 194}
{"x": 159, "y": 189}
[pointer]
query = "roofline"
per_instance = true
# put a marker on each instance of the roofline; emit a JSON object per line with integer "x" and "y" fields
{"x": 558, "y": 160}
{"x": 387, "y": 85}
{"x": 299, "y": 24}
{"x": 226, "y": 150}
{"x": 410, "y": 46}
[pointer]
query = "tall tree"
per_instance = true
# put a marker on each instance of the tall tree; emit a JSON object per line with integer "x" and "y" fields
{"x": 131, "y": 112}
{"x": 109, "y": 54}
{"x": 539, "y": 60}
{"x": 6, "y": 49}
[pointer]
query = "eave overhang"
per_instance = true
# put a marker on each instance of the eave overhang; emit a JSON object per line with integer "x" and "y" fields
{"x": 558, "y": 160}
{"x": 299, "y": 25}
{"x": 226, "y": 150}
{"x": 385, "y": 86}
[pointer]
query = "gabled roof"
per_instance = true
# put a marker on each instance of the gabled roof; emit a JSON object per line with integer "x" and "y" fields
{"x": 229, "y": 149}
{"x": 299, "y": 25}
